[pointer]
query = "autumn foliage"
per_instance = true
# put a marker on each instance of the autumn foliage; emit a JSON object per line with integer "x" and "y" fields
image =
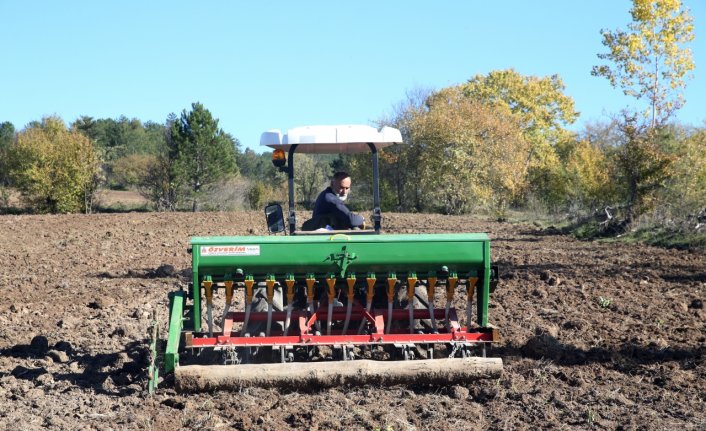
{"x": 54, "y": 168}
{"x": 474, "y": 155}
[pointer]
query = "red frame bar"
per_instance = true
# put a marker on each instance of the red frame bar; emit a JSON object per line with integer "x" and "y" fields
{"x": 336, "y": 339}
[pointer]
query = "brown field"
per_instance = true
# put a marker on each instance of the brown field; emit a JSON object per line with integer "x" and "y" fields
{"x": 595, "y": 335}
{"x": 103, "y": 198}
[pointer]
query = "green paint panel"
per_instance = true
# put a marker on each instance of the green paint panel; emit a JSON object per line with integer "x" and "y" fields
{"x": 176, "y": 310}
{"x": 320, "y": 254}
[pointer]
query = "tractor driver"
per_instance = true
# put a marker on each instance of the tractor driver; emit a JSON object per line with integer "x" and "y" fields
{"x": 330, "y": 208}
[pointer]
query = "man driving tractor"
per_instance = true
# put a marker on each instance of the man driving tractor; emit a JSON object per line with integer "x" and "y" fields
{"x": 330, "y": 209}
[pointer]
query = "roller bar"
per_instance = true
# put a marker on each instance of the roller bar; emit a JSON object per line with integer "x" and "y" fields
{"x": 315, "y": 375}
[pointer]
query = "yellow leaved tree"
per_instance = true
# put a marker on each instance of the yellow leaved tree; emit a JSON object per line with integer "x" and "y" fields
{"x": 54, "y": 168}
{"x": 588, "y": 176}
{"x": 471, "y": 154}
{"x": 651, "y": 59}
{"x": 542, "y": 110}
{"x": 684, "y": 197}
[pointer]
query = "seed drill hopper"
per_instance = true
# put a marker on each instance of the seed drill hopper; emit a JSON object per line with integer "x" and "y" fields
{"x": 326, "y": 308}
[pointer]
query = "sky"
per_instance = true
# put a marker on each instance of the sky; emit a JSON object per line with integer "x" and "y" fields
{"x": 260, "y": 65}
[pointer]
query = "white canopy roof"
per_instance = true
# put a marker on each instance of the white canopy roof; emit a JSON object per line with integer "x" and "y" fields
{"x": 332, "y": 139}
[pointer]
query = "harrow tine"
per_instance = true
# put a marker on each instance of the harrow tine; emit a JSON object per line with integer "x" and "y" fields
{"x": 269, "y": 319}
{"x": 310, "y": 308}
{"x": 229, "y": 298}
{"x": 411, "y": 283}
{"x": 225, "y": 313}
{"x": 270, "y": 282}
{"x": 329, "y": 318}
{"x": 388, "y": 324}
{"x": 245, "y": 320}
{"x": 446, "y": 315}
{"x": 469, "y": 301}
{"x": 363, "y": 321}
{"x": 208, "y": 287}
{"x": 369, "y": 294}
{"x": 310, "y": 281}
{"x": 331, "y": 281}
{"x": 391, "y": 282}
{"x": 288, "y": 320}
{"x": 248, "y": 303}
{"x": 349, "y": 309}
{"x": 290, "y": 298}
{"x": 430, "y": 292}
{"x": 209, "y": 317}
{"x": 350, "y": 281}
{"x": 469, "y": 314}
{"x": 433, "y": 320}
{"x": 450, "y": 288}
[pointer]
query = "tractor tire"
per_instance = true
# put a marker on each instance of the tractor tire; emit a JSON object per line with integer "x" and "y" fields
{"x": 259, "y": 304}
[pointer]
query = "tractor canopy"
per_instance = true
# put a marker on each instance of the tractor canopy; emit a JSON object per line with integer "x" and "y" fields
{"x": 343, "y": 139}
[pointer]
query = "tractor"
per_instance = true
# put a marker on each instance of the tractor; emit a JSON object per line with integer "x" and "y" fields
{"x": 329, "y": 307}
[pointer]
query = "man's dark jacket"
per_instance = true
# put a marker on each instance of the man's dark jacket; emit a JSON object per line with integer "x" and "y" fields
{"x": 329, "y": 206}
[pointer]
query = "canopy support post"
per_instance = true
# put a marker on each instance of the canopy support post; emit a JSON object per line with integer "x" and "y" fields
{"x": 377, "y": 213}
{"x": 292, "y": 219}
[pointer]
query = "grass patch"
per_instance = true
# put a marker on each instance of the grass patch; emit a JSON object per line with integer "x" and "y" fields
{"x": 652, "y": 235}
{"x": 590, "y": 229}
{"x": 586, "y": 231}
{"x": 536, "y": 218}
{"x": 668, "y": 238}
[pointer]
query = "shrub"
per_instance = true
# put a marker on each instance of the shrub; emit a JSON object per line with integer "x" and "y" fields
{"x": 54, "y": 168}
{"x": 131, "y": 171}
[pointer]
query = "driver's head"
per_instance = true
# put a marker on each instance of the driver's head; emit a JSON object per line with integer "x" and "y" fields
{"x": 341, "y": 184}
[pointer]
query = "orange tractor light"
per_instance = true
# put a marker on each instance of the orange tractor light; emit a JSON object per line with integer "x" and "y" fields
{"x": 279, "y": 158}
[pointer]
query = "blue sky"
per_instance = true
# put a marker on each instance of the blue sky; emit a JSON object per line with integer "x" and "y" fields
{"x": 281, "y": 64}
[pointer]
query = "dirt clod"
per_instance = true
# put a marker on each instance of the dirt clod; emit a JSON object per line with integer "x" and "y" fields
{"x": 108, "y": 384}
{"x": 58, "y": 356}
{"x": 459, "y": 392}
{"x": 63, "y": 346}
{"x": 39, "y": 344}
{"x": 100, "y": 304}
{"x": 173, "y": 403}
{"x": 164, "y": 271}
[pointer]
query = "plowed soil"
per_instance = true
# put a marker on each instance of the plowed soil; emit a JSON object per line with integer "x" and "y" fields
{"x": 595, "y": 335}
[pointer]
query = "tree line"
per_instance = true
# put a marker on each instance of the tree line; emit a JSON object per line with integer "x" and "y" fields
{"x": 57, "y": 168}
{"x": 496, "y": 142}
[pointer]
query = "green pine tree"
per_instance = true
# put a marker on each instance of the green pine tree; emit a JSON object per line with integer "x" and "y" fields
{"x": 204, "y": 154}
